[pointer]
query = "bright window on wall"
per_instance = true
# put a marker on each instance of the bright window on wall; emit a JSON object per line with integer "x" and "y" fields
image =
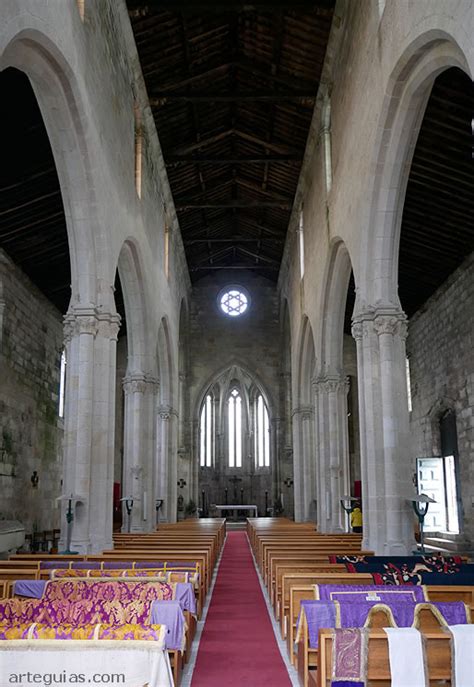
{"x": 301, "y": 243}
{"x": 261, "y": 434}
{"x": 62, "y": 384}
{"x": 235, "y": 429}
{"x": 207, "y": 433}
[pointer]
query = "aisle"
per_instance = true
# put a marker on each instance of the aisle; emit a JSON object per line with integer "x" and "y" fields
{"x": 238, "y": 646}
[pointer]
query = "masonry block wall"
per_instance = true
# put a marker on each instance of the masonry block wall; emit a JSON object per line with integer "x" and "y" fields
{"x": 441, "y": 352}
{"x": 31, "y": 336}
{"x": 253, "y": 342}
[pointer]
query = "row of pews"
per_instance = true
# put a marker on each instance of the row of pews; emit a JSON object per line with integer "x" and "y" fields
{"x": 145, "y": 594}
{"x": 318, "y": 583}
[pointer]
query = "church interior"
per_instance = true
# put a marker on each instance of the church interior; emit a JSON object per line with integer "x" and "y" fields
{"x": 237, "y": 342}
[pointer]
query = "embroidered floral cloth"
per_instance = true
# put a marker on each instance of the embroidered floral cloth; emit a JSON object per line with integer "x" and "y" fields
{"x": 349, "y": 658}
{"x": 155, "y": 632}
{"x": 465, "y": 576}
{"x": 90, "y": 601}
{"x": 161, "y": 574}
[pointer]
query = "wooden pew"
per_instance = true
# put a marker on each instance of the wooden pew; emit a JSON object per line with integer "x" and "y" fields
{"x": 308, "y": 657}
{"x": 438, "y": 653}
{"x": 305, "y": 590}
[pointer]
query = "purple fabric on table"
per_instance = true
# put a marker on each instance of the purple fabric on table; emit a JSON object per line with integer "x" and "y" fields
{"x": 34, "y": 589}
{"x": 341, "y": 592}
{"x": 85, "y": 565}
{"x": 170, "y": 613}
{"x": 186, "y": 596}
{"x": 181, "y": 565}
{"x": 354, "y": 613}
{"x": 117, "y": 565}
{"x": 454, "y": 612}
{"x": 149, "y": 564}
{"x": 318, "y": 614}
{"x": 54, "y": 565}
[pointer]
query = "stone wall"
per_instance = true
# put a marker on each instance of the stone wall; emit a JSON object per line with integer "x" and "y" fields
{"x": 31, "y": 432}
{"x": 441, "y": 351}
{"x": 252, "y": 342}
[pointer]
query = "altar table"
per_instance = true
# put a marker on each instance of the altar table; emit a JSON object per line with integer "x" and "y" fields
{"x": 236, "y": 508}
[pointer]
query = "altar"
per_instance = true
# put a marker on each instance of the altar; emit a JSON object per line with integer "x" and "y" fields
{"x": 237, "y": 507}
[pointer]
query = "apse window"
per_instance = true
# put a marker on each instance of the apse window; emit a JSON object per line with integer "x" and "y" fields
{"x": 207, "y": 432}
{"x": 235, "y": 429}
{"x": 262, "y": 434}
{"x": 62, "y": 384}
{"x": 233, "y": 301}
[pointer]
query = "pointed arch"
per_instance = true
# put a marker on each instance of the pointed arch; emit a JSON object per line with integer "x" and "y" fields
{"x": 407, "y": 93}
{"x": 35, "y": 53}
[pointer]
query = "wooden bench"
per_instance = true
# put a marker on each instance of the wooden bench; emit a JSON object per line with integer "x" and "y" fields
{"x": 305, "y": 591}
{"x": 307, "y": 657}
{"x": 438, "y": 654}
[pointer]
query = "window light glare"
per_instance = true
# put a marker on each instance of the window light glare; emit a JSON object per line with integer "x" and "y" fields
{"x": 234, "y": 303}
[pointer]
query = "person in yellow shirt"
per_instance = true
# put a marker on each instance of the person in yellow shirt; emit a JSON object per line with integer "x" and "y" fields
{"x": 356, "y": 518}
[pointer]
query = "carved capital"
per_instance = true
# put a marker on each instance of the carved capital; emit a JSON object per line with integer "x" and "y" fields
{"x": 305, "y": 413}
{"x": 393, "y": 325}
{"x": 134, "y": 384}
{"x": 139, "y": 383}
{"x": 166, "y": 412}
{"x": 109, "y": 325}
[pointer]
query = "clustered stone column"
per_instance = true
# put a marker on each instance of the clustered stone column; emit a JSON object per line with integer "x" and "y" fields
{"x": 304, "y": 466}
{"x": 166, "y": 464}
{"x": 380, "y": 334}
{"x": 139, "y": 440}
{"x": 90, "y": 342}
{"x": 332, "y": 450}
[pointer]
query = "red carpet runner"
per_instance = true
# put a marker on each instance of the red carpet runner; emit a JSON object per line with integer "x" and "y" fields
{"x": 238, "y": 647}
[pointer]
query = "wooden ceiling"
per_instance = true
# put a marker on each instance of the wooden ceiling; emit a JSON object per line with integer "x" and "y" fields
{"x": 232, "y": 91}
{"x": 246, "y": 179}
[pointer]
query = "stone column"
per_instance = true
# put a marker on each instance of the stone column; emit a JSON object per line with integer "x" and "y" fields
{"x": 305, "y": 463}
{"x": 181, "y": 411}
{"x": 333, "y": 451}
{"x": 139, "y": 440}
{"x": 90, "y": 342}
{"x": 167, "y": 458}
{"x": 386, "y": 467}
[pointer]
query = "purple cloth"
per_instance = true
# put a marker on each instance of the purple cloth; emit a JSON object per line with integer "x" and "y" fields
{"x": 454, "y": 612}
{"x": 186, "y": 596}
{"x": 170, "y": 613}
{"x": 54, "y": 565}
{"x": 31, "y": 588}
{"x": 149, "y": 564}
{"x": 319, "y": 614}
{"x": 341, "y": 592}
{"x": 354, "y": 614}
{"x": 117, "y": 565}
{"x": 350, "y": 648}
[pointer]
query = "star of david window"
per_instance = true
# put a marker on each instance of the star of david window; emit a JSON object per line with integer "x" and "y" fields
{"x": 233, "y": 302}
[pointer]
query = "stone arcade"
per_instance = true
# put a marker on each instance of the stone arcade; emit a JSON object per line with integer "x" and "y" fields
{"x": 311, "y": 159}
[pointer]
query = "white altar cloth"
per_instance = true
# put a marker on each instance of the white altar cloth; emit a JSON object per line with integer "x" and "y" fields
{"x": 140, "y": 662}
{"x": 239, "y": 507}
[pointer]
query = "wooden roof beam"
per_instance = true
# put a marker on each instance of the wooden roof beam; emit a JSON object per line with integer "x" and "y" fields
{"x": 140, "y": 7}
{"x": 195, "y": 205}
{"x": 165, "y": 97}
{"x": 177, "y": 160}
